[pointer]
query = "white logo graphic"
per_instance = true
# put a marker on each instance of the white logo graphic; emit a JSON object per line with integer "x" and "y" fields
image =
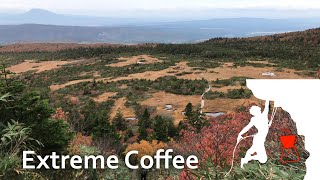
{"x": 301, "y": 99}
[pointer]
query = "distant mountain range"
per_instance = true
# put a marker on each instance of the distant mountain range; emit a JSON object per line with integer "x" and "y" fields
{"x": 39, "y": 25}
{"x": 40, "y": 16}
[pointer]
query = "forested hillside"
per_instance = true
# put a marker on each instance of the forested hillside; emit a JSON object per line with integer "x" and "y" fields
{"x": 309, "y": 37}
{"x": 298, "y": 50}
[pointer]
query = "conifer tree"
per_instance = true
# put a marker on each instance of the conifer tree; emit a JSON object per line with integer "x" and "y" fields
{"x": 188, "y": 111}
{"x": 144, "y": 123}
{"x": 120, "y": 122}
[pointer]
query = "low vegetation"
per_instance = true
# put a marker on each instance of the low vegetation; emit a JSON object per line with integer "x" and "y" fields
{"x": 70, "y": 121}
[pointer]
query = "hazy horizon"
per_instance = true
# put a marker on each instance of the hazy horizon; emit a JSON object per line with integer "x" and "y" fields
{"x": 171, "y": 9}
{"x": 151, "y": 21}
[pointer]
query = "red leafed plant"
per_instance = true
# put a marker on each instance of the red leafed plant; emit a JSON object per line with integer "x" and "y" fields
{"x": 215, "y": 143}
{"x": 60, "y": 115}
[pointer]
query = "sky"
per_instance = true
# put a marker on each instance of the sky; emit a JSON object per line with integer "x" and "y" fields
{"x": 266, "y": 8}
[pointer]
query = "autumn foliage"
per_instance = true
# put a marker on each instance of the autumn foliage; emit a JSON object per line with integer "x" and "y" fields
{"x": 77, "y": 141}
{"x": 60, "y": 115}
{"x": 216, "y": 141}
{"x": 145, "y": 147}
{"x": 214, "y": 144}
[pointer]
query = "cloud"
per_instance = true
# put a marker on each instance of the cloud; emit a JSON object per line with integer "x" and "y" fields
{"x": 154, "y": 4}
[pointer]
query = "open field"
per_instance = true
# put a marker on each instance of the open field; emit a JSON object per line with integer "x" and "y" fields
{"x": 141, "y": 59}
{"x": 159, "y": 74}
{"x": 180, "y": 69}
{"x": 160, "y": 99}
{"x": 104, "y": 97}
{"x": 120, "y": 106}
{"x": 210, "y": 74}
{"x": 38, "y": 67}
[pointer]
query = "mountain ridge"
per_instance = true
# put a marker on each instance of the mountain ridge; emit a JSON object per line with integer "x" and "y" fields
{"x": 38, "y": 11}
{"x": 42, "y": 16}
{"x": 308, "y": 37}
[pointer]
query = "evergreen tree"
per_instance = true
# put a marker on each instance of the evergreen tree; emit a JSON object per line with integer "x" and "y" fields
{"x": 120, "y": 122}
{"x": 102, "y": 127}
{"x": 145, "y": 119}
{"x": 197, "y": 121}
{"x": 30, "y": 108}
{"x": 53, "y": 134}
{"x": 181, "y": 126}
{"x": 143, "y": 134}
{"x": 144, "y": 123}
{"x": 173, "y": 131}
{"x": 90, "y": 112}
{"x": 188, "y": 111}
{"x": 194, "y": 118}
{"x": 160, "y": 128}
{"x": 129, "y": 134}
{"x": 164, "y": 128}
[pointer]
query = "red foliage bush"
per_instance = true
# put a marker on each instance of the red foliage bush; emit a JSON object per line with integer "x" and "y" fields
{"x": 60, "y": 115}
{"x": 216, "y": 142}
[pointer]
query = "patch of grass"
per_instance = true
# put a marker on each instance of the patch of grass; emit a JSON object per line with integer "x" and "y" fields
{"x": 184, "y": 73}
{"x": 239, "y": 94}
{"x": 214, "y": 95}
{"x": 199, "y": 69}
{"x": 174, "y": 85}
{"x": 231, "y": 94}
{"x": 203, "y": 64}
{"x": 236, "y": 80}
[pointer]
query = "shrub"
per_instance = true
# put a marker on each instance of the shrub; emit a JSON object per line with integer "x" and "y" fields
{"x": 239, "y": 94}
{"x": 237, "y": 80}
{"x": 214, "y": 95}
{"x": 214, "y": 145}
{"x": 77, "y": 141}
{"x": 174, "y": 85}
{"x": 145, "y": 148}
{"x": 15, "y": 138}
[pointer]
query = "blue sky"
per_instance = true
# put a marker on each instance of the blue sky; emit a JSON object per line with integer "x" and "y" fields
{"x": 196, "y": 8}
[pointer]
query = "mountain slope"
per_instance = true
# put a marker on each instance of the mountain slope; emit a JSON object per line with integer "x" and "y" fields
{"x": 308, "y": 37}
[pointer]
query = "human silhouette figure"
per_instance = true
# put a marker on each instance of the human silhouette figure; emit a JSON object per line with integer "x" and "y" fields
{"x": 144, "y": 173}
{"x": 261, "y": 122}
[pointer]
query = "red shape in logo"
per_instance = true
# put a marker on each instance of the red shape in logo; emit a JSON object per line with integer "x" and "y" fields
{"x": 288, "y": 147}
